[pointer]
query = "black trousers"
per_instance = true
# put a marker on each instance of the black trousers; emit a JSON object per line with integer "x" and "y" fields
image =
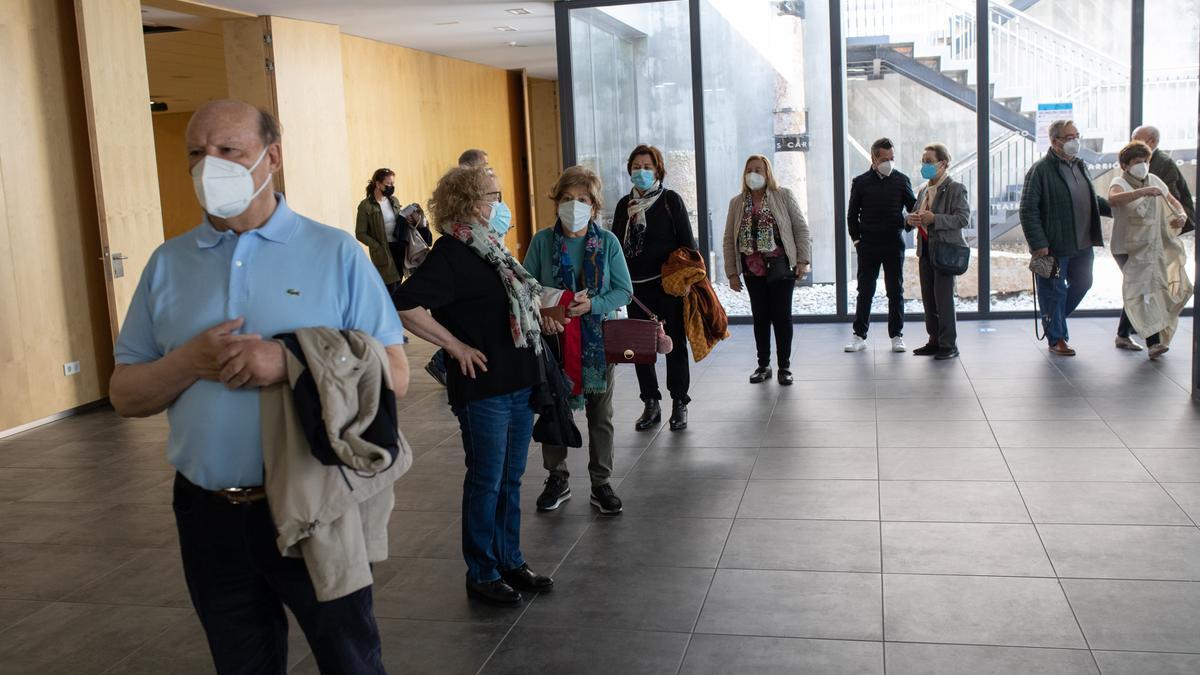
{"x": 669, "y": 310}
{"x": 239, "y": 584}
{"x": 937, "y": 294}
{"x": 1125, "y": 326}
{"x": 873, "y": 255}
{"x": 771, "y": 307}
{"x": 397, "y": 249}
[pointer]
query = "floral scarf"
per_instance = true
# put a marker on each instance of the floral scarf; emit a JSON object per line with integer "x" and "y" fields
{"x": 524, "y": 292}
{"x": 635, "y": 231}
{"x": 595, "y": 377}
{"x": 756, "y": 235}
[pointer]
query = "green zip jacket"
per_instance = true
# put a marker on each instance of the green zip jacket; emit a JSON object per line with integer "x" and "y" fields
{"x": 617, "y": 289}
{"x": 368, "y": 228}
{"x": 1047, "y": 216}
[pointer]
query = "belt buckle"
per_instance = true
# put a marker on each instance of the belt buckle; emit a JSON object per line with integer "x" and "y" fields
{"x": 236, "y": 495}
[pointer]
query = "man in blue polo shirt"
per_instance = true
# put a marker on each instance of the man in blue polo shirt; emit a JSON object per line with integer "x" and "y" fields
{"x": 197, "y": 343}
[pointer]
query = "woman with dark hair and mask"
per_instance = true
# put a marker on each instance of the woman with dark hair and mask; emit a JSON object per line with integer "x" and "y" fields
{"x": 384, "y": 227}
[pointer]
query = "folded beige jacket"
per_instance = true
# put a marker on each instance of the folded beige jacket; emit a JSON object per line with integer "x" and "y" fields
{"x": 335, "y": 517}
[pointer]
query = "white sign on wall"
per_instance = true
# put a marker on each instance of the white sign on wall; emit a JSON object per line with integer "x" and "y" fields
{"x": 1047, "y": 114}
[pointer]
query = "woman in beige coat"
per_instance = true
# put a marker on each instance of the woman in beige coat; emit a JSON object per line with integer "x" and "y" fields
{"x": 767, "y": 242}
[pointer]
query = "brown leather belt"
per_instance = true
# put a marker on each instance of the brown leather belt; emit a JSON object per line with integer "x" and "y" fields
{"x": 239, "y": 496}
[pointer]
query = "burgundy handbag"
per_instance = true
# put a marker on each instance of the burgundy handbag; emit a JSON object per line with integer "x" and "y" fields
{"x": 631, "y": 340}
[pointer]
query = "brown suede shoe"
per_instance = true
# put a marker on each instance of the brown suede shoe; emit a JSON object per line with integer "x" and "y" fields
{"x": 1062, "y": 348}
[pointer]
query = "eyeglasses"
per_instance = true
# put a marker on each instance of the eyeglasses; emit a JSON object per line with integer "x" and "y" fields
{"x": 1072, "y": 137}
{"x": 499, "y": 196}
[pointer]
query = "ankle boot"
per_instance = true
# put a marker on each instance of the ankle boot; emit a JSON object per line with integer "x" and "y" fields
{"x": 678, "y": 416}
{"x": 651, "y": 416}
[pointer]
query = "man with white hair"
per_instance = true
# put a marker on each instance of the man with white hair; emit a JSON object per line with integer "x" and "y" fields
{"x": 1164, "y": 167}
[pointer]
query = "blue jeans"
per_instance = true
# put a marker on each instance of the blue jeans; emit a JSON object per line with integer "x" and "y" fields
{"x": 495, "y": 432}
{"x": 1060, "y": 296}
{"x": 239, "y": 585}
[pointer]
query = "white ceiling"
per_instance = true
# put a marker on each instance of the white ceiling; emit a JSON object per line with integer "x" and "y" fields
{"x": 413, "y": 23}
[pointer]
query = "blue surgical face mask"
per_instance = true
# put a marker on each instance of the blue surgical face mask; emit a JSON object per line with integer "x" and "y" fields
{"x": 642, "y": 179}
{"x": 929, "y": 171}
{"x": 501, "y": 218}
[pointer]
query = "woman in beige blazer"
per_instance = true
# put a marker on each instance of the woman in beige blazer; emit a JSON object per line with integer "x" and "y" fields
{"x": 766, "y": 241}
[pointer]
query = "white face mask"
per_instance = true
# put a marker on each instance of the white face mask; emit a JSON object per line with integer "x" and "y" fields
{"x": 224, "y": 188}
{"x": 574, "y": 215}
{"x": 1140, "y": 170}
{"x": 1071, "y": 147}
{"x": 755, "y": 180}
{"x": 885, "y": 168}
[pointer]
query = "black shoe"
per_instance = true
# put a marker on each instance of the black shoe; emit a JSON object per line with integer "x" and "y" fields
{"x": 437, "y": 367}
{"x": 651, "y": 416}
{"x": 928, "y": 350}
{"x": 556, "y": 492}
{"x": 785, "y": 377}
{"x": 606, "y": 500}
{"x": 678, "y": 416}
{"x": 762, "y": 374}
{"x": 944, "y": 354}
{"x": 524, "y": 579}
{"x": 494, "y": 592}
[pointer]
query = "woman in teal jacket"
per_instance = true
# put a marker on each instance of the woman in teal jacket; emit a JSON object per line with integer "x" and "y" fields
{"x": 578, "y": 255}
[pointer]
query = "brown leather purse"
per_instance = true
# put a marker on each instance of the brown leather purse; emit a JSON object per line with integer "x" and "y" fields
{"x": 631, "y": 340}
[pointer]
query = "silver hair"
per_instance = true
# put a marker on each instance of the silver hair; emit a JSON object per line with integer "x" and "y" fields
{"x": 1151, "y": 133}
{"x": 1057, "y": 126}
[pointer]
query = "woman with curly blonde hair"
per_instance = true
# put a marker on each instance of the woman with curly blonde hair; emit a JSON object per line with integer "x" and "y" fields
{"x": 485, "y": 314}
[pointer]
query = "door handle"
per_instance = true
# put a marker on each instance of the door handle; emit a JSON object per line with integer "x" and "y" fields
{"x": 120, "y": 256}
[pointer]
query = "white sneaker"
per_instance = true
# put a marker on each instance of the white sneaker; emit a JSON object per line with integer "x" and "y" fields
{"x": 898, "y": 344}
{"x": 856, "y": 345}
{"x": 1127, "y": 343}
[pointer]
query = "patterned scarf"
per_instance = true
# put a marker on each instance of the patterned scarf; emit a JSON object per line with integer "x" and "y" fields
{"x": 524, "y": 292}
{"x": 756, "y": 235}
{"x": 595, "y": 379}
{"x": 635, "y": 231}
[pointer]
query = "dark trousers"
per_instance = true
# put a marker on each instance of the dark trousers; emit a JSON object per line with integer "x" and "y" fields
{"x": 937, "y": 294}
{"x": 239, "y": 584}
{"x": 1059, "y": 297}
{"x": 1125, "y": 326}
{"x": 669, "y": 310}
{"x": 771, "y": 307}
{"x": 873, "y": 255}
{"x": 397, "y": 249}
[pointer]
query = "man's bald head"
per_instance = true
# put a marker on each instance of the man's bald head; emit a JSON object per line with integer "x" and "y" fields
{"x": 231, "y": 114}
{"x": 1148, "y": 135}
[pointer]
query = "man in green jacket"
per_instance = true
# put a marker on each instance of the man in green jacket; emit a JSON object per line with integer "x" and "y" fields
{"x": 1164, "y": 167}
{"x": 1060, "y": 215}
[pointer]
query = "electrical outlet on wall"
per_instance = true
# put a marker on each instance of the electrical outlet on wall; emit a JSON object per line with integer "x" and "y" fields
{"x": 71, "y": 368}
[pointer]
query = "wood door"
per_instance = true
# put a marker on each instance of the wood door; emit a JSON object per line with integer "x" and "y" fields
{"x": 117, "y": 101}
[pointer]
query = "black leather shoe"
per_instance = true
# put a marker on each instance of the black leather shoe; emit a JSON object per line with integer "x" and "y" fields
{"x": 928, "y": 350}
{"x": 944, "y": 354}
{"x": 524, "y": 579}
{"x": 785, "y": 377}
{"x": 678, "y": 416}
{"x": 494, "y": 592}
{"x": 761, "y": 374}
{"x": 651, "y": 416}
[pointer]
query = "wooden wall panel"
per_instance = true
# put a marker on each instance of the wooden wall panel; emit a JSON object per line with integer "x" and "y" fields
{"x": 546, "y": 145}
{"x": 311, "y": 107}
{"x": 415, "y": 112}
{"x": 116, "y": 95}
{"x": 181, "y": 212}
{"x": 53, "y": 307}
{"x": 246, "y": 57}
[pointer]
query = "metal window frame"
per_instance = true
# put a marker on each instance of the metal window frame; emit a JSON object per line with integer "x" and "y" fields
{"x": 837, "y": 78}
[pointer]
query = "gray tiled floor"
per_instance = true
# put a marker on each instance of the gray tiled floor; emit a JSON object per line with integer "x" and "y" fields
{"x": 1003, "y": 513}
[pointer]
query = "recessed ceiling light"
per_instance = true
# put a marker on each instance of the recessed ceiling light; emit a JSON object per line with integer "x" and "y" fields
{"x": 506, "y": 29}
{"x": 516, "y": 44}
{"x": 446, "y": 23}
{"x": 518, "y": 11}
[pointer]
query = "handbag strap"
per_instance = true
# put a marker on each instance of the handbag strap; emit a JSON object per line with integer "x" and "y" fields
{"x": 645, "y": 309}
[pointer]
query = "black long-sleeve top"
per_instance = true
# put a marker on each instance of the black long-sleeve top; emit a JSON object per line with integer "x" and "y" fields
{"x": 876, "y": 205}
{"x": 667, "y": 228}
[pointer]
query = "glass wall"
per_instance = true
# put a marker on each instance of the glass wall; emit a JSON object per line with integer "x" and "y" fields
{"x": 632, "y": 83}
{"x": 766, "y": 92}
{"x": 1055, "y": 58}
{"x": 1170, "y": 90}
{"x": 910, "y": 73}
